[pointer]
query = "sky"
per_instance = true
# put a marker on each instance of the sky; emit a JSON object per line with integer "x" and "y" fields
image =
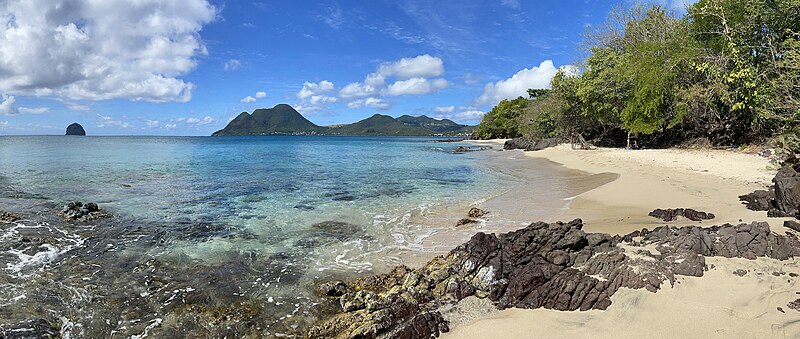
{"x": 186, "y": 67}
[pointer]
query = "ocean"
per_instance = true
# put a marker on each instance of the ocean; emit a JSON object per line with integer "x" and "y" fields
{"x": 214, "y": 236}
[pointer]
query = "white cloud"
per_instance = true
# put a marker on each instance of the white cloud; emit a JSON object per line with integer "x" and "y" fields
{"x": 7, "y": 106}
{"x": 510, "y": 3}
{"x": 375, "y": 103}
{"x": 152, "y": 123}
{"x": 322, "y": 99}
{"x": 250, "y": 99}
{"x": 36, "y": 110}
{"x": 444, "y": 109}
{"x": 196, "y": 121}
{"x": 312, "y": 88}
{"x": 106, "y": 121}
{"x": 518, "y": 84}
{"x": 334, "y": 19}
{"x": 97, "y": 50}
{"x": 171, "y": 126}
{"x": 416, "y": 86}
{"x": 77, "y": 107}
{"x": 232, "y": 65}
{"x": 422, "y": 66}
{"x": 464, "y": 114}
{"x": 356, "y": 90}
{"x": 4, "y": 124}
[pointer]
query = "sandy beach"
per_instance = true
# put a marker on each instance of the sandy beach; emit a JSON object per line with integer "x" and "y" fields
{"x": 717, "y": 305}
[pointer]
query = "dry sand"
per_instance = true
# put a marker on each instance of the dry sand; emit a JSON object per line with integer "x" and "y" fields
{"x": 718, "y": 305}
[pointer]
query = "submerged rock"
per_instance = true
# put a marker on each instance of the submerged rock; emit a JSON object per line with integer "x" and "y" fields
{"x": 463, "y": 149}
{"x": 688, "y": 213}
{"x": 9, "y": 217}
{"x": 476, "y": 212}
{"x": 465, "y": 221}
{"x": 79, "y": 211}
{"x": 37, "y": 328}
{"x": 555, "y": 266}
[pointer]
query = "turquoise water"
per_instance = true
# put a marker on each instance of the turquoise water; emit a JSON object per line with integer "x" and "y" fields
{"x": 214, "y": 219}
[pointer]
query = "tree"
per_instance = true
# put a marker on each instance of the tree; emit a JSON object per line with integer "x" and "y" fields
{"x": 501, "y": 121}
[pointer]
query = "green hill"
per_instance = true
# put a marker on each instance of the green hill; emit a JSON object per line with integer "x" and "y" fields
{"x": 379, "y": 124}
{"x": 444, "y": 126}
{"x": 283, "y": 119}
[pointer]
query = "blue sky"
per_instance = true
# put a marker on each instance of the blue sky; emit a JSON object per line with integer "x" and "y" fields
{"x": 185, "y": 67}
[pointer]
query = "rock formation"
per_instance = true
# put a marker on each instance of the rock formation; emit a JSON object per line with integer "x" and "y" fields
{"x": 79, "y": 211}
{"x": 529, "y": 144}
{"x": 555, "y": 266}
{"x": 782, "y": 199}
{"x": 9, "y": 217}
{"x": 671, "y": 214}
{"x": 75, "y": 129}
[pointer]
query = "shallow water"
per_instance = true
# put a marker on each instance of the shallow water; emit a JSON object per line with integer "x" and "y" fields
{"x": 218, "y": 236}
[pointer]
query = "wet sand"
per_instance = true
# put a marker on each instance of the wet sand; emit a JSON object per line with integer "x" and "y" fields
{"x": 541, "y": 190}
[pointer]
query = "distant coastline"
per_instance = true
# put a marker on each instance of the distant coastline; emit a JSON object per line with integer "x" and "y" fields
{"x": 283, "y": 119}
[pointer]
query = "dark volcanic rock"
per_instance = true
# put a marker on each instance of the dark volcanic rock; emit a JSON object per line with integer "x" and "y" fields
{"x": 32, "y": 329}
{"x": 529, "y": 144}
{"x": 9, "y": 217}
{"x": 672, "y": 214}
{"x": 465, "y": 221}
{"x": 79, "y": 211}
{"x": 464, "y": 149}
{"x": 792, "y": 224}
{"x": 555, "y": 266}
{"x": 476, "y": 212}
{"x": 75, "y": 129}
{"x": 783, "y": 198}
{"x": 759, "y": 200}
{"x": 787, "y": 190}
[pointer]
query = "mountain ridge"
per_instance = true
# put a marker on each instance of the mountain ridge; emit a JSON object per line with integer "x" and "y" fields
{"x": 284, "y": 119}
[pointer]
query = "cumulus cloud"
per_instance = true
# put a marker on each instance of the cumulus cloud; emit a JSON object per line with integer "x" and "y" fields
{"x": 518, "y": 84}
{"x": 196, "y": 121}
{"x": 232, "y": 65}
{"x": 375, "y": 103}
{"x": 444, "y": 109}
{"x": 152, "y": 123}
{"x": 312, "y": 88}
{"x": 4, "y": 124}
{"x": 416, "y": 86}
{"x": 253, "y": 98}
{"x": 412, "y": 75}
{"x": 423, "y": 66}
{"x": 97, "y": 50}
{"x": 356, "y": 90}
{"x": 462, "y": 114}
{"x": 322, "y": 99}
{"x": 7, "y": 106}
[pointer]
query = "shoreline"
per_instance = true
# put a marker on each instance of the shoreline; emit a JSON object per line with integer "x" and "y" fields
{"x": 717, "y": 305}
